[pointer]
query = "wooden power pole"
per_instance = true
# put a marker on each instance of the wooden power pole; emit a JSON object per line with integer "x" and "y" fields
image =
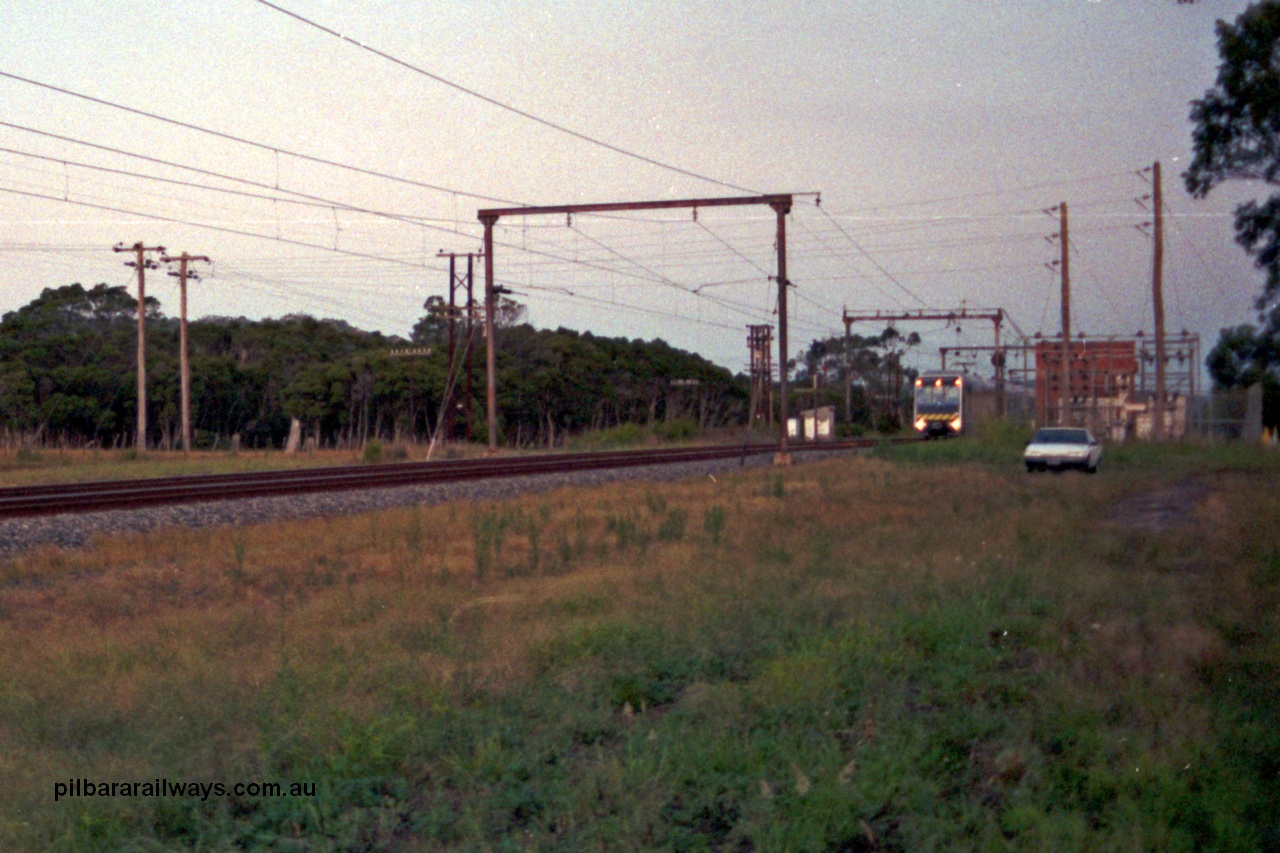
{"x": 1064, "y": 416}
{"x": 142, "y": 264}
{"x": 183, "y": 275}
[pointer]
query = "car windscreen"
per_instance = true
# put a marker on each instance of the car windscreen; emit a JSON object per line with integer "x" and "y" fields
{"x": 1061, "y": 436}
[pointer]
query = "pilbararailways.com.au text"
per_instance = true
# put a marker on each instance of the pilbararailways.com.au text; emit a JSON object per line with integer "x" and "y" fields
{"x": 167, "y": 788}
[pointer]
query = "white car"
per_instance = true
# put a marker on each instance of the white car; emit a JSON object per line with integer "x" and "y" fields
{"x": 1056, "y": 448}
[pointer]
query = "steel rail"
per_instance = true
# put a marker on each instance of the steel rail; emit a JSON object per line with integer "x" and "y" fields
{"x": 128, "y": 494}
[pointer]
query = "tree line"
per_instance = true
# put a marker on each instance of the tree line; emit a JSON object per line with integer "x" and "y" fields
{"x": 1236, "y": 136}
{"x": 68, "y": 375}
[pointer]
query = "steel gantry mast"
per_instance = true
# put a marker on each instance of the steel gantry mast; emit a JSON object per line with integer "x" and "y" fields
{"x": 995, "y": 315}
{"x": 781, "y": 205}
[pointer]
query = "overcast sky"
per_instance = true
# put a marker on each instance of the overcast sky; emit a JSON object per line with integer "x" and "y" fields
{"x": 937, "y": 133}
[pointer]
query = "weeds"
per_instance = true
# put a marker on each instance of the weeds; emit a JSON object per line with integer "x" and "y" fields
{"x": 239, "y": 549}
{"x": 489, "y": 529}
{"x": 672, "y": 527}
{"x": 878, "y": 671}
{"x": 415, "y": 534}
{"x": 776, "y": 487}
{"x": 713, "y": 520}
{"x": 627, "y": 531}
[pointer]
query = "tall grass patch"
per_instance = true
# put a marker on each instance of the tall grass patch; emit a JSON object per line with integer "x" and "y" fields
{"x": 858, "y": 654}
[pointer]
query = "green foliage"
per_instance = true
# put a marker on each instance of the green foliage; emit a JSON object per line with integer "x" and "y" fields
{"x": 873, "y": 366}
{"x": 613, "y": 438}
{"x": 994, "y": 442}
{"x": 372, "y": 452}
{"x": 888, "y": 423}
{"x": 1245, "y": 355}
{"x": 488, "y": 530}
{"x": 713, "y": 521}
{"x": 627, "y": 530}
{"x": 67, "y": 373}
{"x": 680, "y": 429}
{"x": 807, "y": 689}
{"x": 609, "y": 390}
{"x": 775, "y": 486}
{"x": 672, "y": 527}
{"x": 1236, "y": 136}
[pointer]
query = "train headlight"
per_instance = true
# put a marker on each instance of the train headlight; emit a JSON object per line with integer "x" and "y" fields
{"x": 955, "y": 424}
{"x": 920, "y": 424}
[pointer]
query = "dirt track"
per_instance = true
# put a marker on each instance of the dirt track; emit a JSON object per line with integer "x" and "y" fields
{"x": 1163, "y": 509}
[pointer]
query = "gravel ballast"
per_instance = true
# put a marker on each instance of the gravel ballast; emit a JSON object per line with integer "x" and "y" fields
{"x": 77, "y": 530}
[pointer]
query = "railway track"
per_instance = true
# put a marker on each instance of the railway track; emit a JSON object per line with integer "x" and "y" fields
{"x": 128, "y": 494}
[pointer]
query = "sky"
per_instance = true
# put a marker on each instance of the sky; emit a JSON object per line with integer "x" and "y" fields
{"x": 323, "y": 152}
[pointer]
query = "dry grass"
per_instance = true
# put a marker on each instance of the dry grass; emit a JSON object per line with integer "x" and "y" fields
{"x": 64, "y": 465}
{"x": 226, "y": 653}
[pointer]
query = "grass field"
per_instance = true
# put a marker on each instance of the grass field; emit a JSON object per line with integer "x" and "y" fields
{"x": 27, "y": 466}
{"x": 920, "y": 649}
{"x": 34, "y": 467}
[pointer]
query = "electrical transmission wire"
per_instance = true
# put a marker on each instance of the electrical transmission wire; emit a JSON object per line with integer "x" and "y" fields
{"x": 1195, "y": 250}
{"x": 874, "y": 262}
{"x": 504, "y": 106}
{"x": 260, "y": 145}
{"x": 320, "y": 200}
{"x": 316, "y": 201}
{"x": 302, "y": 201}
{"x": 1094, "y": 278}
{"x": 858, "y": 273}
{"x": 728, "y": 246}
{"x": 278, "y": 150}
{"x": 989, "y": 193}
{"x": 563, "y": 292}
{"x": 652, "y": 276}
{"x": 222, "y": 228}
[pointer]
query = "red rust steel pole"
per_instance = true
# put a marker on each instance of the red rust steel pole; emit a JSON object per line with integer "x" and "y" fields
{"x": 471, "y": 323}
{"x": 448, "y": 397}
{"x": 614, "y": 207}
{"x": 490, "y": 360}
{"x": 489, "y": 216}
{"x": 782, "y": 209}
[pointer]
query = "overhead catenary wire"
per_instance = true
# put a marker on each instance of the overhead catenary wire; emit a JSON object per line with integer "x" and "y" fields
{"x": 161, "y": 218}
{"x": 304, "y": 200}
{"x": 868, "y": 256}
{"x": 617, "y": 251}
{"x": 331, "y": 205}
{"x": 505, "y": 106}
{"x": 991, "y": 193}
{"x": 727, "y": 304}
{"x": 254, "y": 144}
